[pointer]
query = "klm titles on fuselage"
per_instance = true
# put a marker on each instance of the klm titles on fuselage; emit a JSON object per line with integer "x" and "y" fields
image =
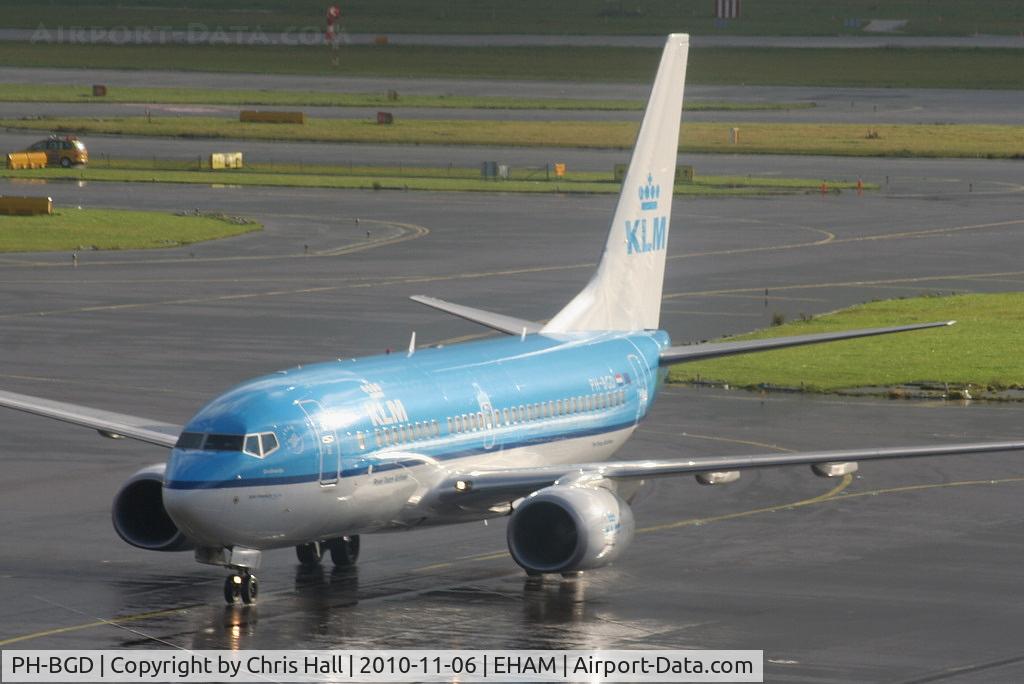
{"x": 642, "y": 237}
{"x": 386, "y": 412}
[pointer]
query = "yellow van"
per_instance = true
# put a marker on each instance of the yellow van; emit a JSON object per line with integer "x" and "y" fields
{"x": 65, "y": 150}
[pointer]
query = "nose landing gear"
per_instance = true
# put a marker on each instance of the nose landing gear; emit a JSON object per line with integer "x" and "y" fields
{"x": 241, "y": 584}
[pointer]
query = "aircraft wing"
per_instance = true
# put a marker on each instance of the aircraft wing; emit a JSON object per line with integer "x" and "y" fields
{"x": 485, "y": 488}
{"x": 500, "y": 322}
{"x": 106, "y": 423}
{"x": 710, "y": 350}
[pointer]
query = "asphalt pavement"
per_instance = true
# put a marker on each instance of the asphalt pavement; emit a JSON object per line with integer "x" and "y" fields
{"x": 905, "y": 573}
{"x": 202, "y": 34}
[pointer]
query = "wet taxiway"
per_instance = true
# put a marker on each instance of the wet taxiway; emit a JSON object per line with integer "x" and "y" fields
{"x": 908, "y": 572}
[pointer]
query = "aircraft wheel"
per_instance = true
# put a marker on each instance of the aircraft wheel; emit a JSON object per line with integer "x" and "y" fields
{"x": 345, "y": 551}
{"x": 309, "y": 554}
{"x": 232, "y": 588}
{"x": 250, "y": 589}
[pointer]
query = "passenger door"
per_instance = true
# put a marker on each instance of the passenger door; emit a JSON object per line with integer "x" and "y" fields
{"x": 326, "y": 439}
{"x": 641, "y": 378}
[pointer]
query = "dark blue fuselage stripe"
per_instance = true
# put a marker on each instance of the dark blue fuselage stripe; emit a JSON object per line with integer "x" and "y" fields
{"x": 391, "y": 465}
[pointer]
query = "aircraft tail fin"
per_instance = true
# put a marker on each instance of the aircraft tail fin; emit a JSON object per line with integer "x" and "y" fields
{"x": 625, "y": 291}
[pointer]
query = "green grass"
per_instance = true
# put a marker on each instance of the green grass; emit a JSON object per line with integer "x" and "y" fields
{"x": 953, "y": 17}
{"x": 982, "y": 349}
{"x": 908, "y": 140}
{"x": 19, "y": 92}
{"x": 73, "y": 229}
{"x": 407, "y": 178}
{"x": 896, "y": 67}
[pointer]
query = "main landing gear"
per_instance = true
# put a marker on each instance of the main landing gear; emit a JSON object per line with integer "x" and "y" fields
{"x": 344, "y": 551}
{"x": 241, "y": 584}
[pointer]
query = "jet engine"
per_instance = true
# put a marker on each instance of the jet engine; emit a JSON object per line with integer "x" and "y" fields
{"x": 569, "y": 528}
{"x": 139, "y": 515}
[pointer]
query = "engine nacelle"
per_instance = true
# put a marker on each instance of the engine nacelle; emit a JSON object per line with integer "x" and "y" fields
{"x": 565, "y": 528}
{"x": 139, "y": 515}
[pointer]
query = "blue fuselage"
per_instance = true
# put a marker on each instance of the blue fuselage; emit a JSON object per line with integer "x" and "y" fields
{"x": 506, "y": 401}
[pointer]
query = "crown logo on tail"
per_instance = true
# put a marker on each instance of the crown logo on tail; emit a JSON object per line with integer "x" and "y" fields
{"x": 649, "y": 194}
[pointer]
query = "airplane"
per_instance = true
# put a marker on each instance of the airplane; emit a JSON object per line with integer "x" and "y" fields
{"x": 520, "y": 426}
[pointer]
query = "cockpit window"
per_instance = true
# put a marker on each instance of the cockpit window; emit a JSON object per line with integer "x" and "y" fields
{"x": 190, "y": 440}
{"x": 224, "y": 442}
{"x": 269, "y": 443}
{"x": 252, "y": 446}
{"x": 260, "y": 444}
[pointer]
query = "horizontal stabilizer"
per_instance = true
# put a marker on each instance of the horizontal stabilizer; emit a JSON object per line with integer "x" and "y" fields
{"x": 107, "y": 423}
{"x": 500, "y": 322}
{"x": 711, "y": 350}
{"x": 484, "y": 488}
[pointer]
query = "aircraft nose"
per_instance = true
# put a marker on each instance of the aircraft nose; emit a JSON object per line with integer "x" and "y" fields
{"x": 198, "y": 513}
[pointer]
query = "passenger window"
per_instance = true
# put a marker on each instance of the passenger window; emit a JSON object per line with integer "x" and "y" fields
{"x": 504, "y": 413}
{"x": 480, "y": 421}
{"x": 361, "y": 440}
{"x": 450, "y": 425}
{"x": 515, "y": 414}
{"x": 558, "y": 407}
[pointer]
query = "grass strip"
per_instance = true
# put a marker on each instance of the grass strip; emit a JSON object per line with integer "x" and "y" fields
{"x": 415, "y": 178}
{"x": 881, "y": 67}
{"x": 20, "y": 92}
{"x": 982, "y": 349}
{"x": 81, "y": 229}
{"x": 882, "y": 140}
